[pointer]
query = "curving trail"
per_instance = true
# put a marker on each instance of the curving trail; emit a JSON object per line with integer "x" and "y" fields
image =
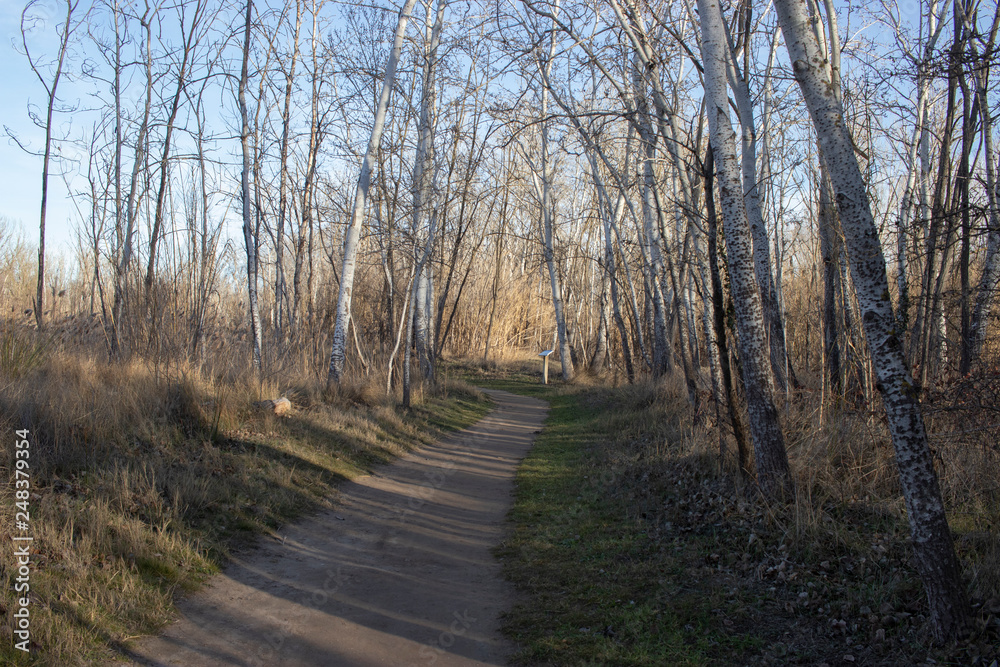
{"x": 400, "y": 572}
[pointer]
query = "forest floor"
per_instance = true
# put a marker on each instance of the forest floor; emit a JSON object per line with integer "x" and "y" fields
{"x": 398, "y": 571}
{"x": 630, "y": 548}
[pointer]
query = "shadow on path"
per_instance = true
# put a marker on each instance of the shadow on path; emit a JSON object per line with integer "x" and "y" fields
{"x": 400, "y": 572}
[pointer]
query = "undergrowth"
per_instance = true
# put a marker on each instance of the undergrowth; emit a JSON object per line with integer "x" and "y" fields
{"x": 633, "y": 546}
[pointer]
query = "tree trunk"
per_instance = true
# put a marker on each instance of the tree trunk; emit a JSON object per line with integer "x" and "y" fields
{"x": 120, "y": 216}
{"x": 773, "y": 474}
{"x": 547, "y": 213}
{"x": 422, "y": 189}
{"x": 933, "y": 549}
{"x": 653, "y": 249}
{"x": 758, "y": 229}
{"x": 600, "y": 355}
{"x": 973, "y": 341}
{"x": 337, "y": 353}
{"x": 249, "y": 235}
{"x": 303, "y": 244}
{"x": 187, "y": 45}
{"x": 829, "y": 248}
{"x": 51, "y": 92}
{"x": 495, "y": 288}
{"x": 280, "y": 290}
{"x": 719, "y": 319}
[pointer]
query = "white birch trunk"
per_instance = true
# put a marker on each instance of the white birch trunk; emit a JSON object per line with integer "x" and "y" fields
{"x": 652, "y": 248}
{"x": 249, "y": 238}
{"x": 773, "y": 475}
{"x": 758, "y": 230}
{"x": 422, "y": 189}
{"x": 548, "y": 213}
{"x": 933, "y": 548}
{"x": 337, "y": 353}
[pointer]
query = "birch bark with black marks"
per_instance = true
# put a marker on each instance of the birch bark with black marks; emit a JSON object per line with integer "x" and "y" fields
{"x": 934, "y": 552}
{"x": 755, "y": 218}
{"x": 773, "y": 474}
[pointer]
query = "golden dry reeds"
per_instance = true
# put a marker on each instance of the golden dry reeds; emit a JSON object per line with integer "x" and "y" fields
{"x": 145, "y": 474}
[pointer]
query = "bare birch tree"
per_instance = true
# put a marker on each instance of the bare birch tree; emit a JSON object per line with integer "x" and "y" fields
{"x": 932, "y": 543}
{"x": 250, "y": 234}
{"x": 191, "y": 36}
{"x": 773, "y": 474}
{"x": 343, "y": 316}
{"x": 422, "y": 190}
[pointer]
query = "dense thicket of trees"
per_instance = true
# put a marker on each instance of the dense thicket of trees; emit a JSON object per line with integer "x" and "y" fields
{"x": 473, "y": 179}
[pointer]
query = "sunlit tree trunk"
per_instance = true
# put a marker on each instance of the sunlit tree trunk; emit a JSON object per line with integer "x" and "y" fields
{"x": 653, "y": 248}
{"x": 280, "y": 289}
{"x": 126, "y": 218}
{"x": 543, "y": 189}
{"x": 249, "y": 229}
{"x": 190, "y": 39}
{"x": 306, "y": 214}
{"x": 337, "y": 353}
{"x": 498, "y": 263}
{"x": 933, "y": 549}
{"x": 755, "y": 218}
{"x": 422, "y": 189}
{"x": 208, "y": 238}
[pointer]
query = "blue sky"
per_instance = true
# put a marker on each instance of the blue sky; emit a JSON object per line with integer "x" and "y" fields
{"x": 20, "y": 173}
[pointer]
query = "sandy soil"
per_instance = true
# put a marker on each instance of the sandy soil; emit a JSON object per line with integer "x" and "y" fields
{"x": 400, "y": 572}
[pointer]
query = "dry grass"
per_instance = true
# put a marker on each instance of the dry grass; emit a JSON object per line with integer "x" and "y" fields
{"x": 145, "y": 476}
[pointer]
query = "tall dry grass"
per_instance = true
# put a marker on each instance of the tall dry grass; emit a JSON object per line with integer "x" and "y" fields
{"x": 146, "y": 474}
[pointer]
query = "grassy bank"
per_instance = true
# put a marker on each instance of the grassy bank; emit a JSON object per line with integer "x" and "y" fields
{"x": 144, "y": 478}
{"x": 633, "y": 549}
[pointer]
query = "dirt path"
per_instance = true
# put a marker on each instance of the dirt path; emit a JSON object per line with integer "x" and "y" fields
{"x": 398, "y": 573}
